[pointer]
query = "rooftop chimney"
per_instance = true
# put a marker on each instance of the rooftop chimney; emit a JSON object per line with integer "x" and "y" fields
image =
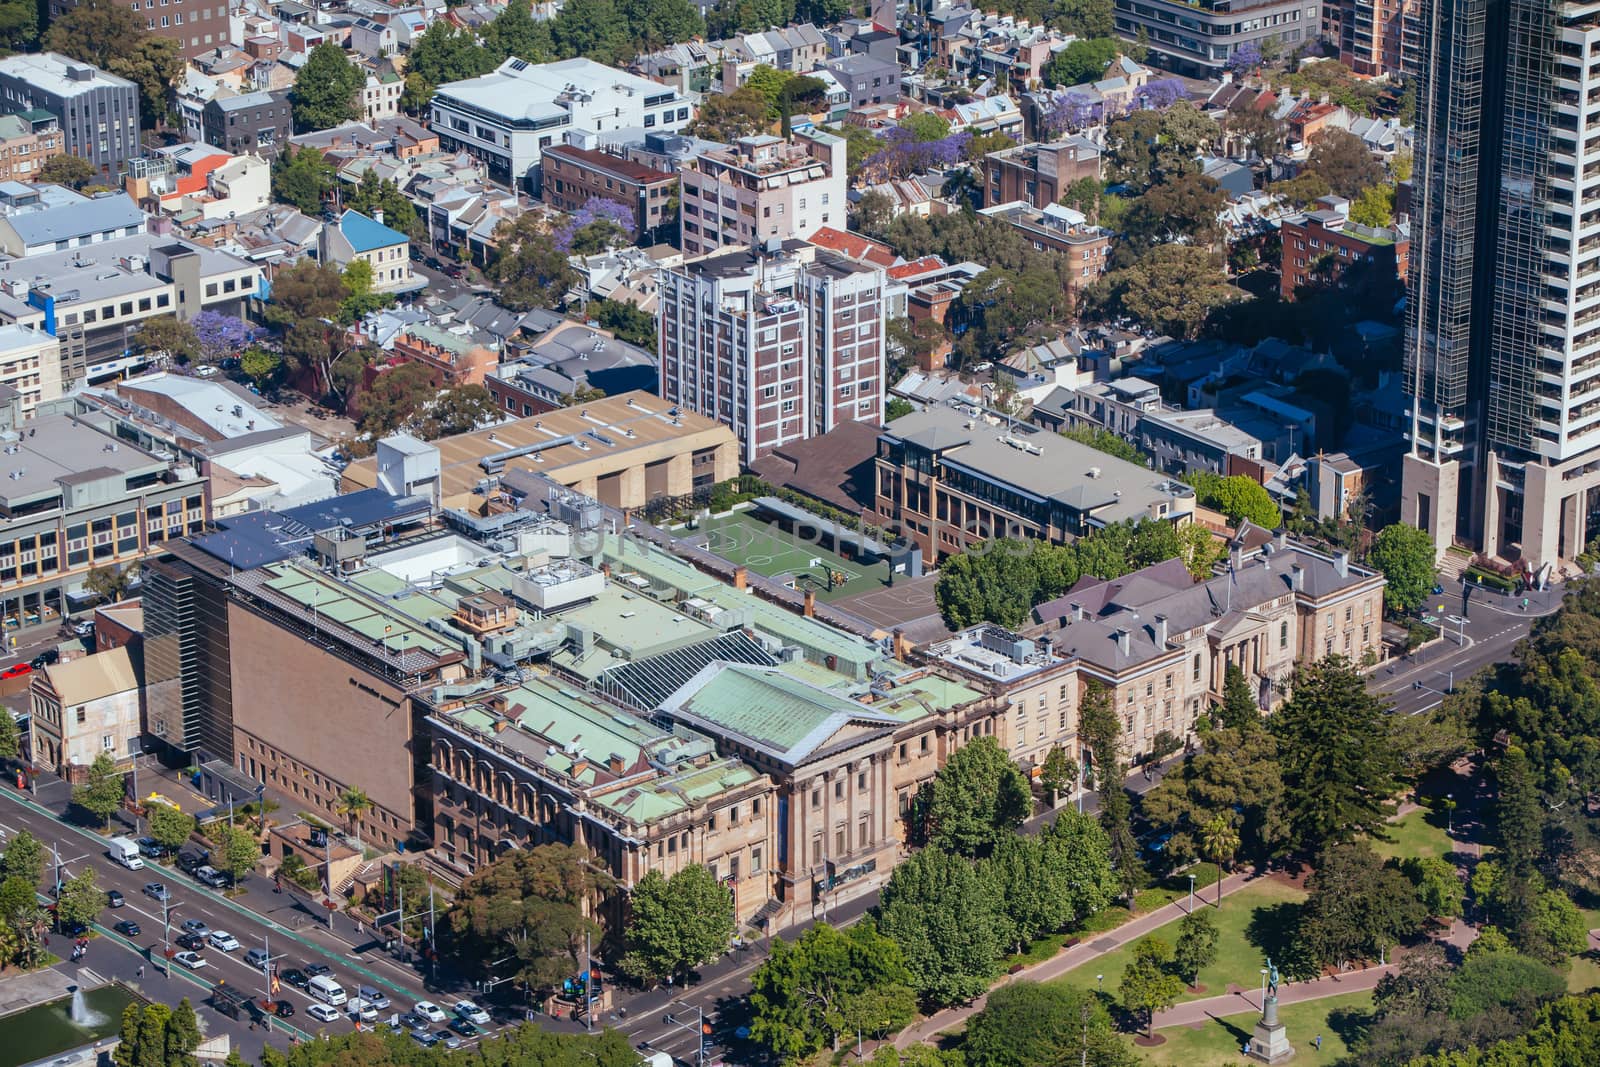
{"x": 1297, "y": 577}
{"x": 1122, "y": 641}
{"x": 1341, "y": 563}
{"x": 811, "y": 603}
{"x": 741, "y": 578}
{"x": 1159, "y": 631}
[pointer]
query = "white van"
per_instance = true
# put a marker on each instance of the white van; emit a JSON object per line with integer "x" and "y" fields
{"x": 125, "y": 852}
{"x": 326, "y": 989}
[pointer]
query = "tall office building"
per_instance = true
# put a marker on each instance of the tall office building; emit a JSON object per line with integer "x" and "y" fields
{"x": 1502, "y": 352}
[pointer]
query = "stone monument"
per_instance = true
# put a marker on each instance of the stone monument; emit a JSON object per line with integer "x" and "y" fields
{"x": 1270, "y": 1042}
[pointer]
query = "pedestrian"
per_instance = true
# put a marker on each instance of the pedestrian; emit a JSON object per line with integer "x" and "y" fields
{"x": 140, "y": 972}
{"x": 1319, "y": 1042}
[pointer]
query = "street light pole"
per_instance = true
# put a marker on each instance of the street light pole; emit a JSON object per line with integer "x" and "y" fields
{"x": 1191, "y": 889}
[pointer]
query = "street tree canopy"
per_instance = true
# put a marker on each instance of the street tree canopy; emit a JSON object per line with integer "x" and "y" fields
{"x": 979, "y": 799}
{"x": 1406, "y": 557}
{"x": 808, "y": 995}
{"x": 678, "y": 923}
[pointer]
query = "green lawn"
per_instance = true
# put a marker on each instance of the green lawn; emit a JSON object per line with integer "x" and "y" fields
{"x": 1420, "y": 834}
{"x": 1252, "y": 923}
{"x": 743, "y": 539}
{"x": 1585, "y": 974}
{"x": 1220, "y": 1041}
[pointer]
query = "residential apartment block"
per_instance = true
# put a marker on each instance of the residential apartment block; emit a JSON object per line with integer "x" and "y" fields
{"x": 98, "y": 112}
{"x": 573, "y": 175}
{"x": 950, "y": 479}
{"x": 197, "y": 27}
{"x": 28, "y": 139}
{"x": 762, "y": 189}
{"x": 780, "y": 345}
{"x": 253, "y": 123}
{"x": 1371, "y": 35}
{"x": 1061, "y": 229}
{"x": 1323, "y": 245}
{"x": 506, "y": 119}
{"x": 1038, "y": 174}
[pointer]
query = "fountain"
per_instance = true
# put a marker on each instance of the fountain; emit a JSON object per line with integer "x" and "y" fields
{"x": 80, "y": 1013}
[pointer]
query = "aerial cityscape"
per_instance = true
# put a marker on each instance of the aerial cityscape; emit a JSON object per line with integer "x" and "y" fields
{"x": 739, "y": 533}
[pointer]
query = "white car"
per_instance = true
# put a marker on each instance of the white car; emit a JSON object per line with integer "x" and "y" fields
{"x": 430, "y": 1011}
{"x": 192, "y": 960}
{"x": 363, "y": 1010}
{"x": 223, "y": 941}
{"x": 469, "y": 1011}
{"x": 323, "y": 1013}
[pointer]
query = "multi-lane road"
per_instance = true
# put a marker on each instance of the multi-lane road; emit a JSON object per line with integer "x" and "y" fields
{"x": 114, "y": 955}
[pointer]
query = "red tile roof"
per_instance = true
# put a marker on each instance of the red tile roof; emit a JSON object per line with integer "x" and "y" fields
{"x": 854, "y": 246}
{"x": 915, "y": 267}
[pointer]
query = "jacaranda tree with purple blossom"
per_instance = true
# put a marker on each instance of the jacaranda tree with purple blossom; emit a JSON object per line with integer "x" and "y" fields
{"x": 221, "y": 335}
{"x": 1246, "y": 57}
{"x": 608, "y": 218}
{"x": 903, "y": 154}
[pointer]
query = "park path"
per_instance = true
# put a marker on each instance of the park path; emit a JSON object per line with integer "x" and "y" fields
{"x": 1076, "y": 956}
{"x": 1195, "y": 1012}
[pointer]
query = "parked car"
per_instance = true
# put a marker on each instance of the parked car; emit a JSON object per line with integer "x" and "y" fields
{"x": 16, "y": 670}
{"x": 115, "y": 899}
{"x": 208, "y": 875}
{"x": 47, "y": 658}
{"x": 192, "y": 960}
{"x": 74, "y": 929}
{"x": 469, "y": 1011}
{"x": 430, "y": 1011}
{"x": 127, "y": 928}
{"x": 191, "y": 860}
{"x": 224, "y": 941}
{"x": 83, "y": 628}
{"x": 197, "y": 926}
{"x": 150, "y": 848}
{"x": 156, "y": 891}
{"x": 323, "y": 1013}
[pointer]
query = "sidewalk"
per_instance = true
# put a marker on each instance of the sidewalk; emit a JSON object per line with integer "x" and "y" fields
{"x": 1059, "y": 964}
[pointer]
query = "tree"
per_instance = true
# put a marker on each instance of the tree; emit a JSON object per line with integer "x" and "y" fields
{"x": 237, "y": 850}
{"x": 1519, "y": 820}
{"x": 1344, "y": 161}
{"x": 170, "y": 827}
{"x": 302, "y": 178}
{"x": 1147, "y": 984}
{"x": 1357, "y": 906}
{"x": 1101, "y": 730}
{"x": 1438, "y": 885}
{"x": 102, "y": 790}
{"x": 169, "y": 336}
{"x": 395, "y": 398}
{"x": 529, "y": 901}
{"x": 1196, "y": 947}
{"x": 1172, "y": 288}
{"x": 1182, "y": 209}
{"x": 23, "y": 859}
{"x": 1239, "y": 497}
{"x": 373, "y": 195}
{"x": 70, "y": 171}
{"x": 1239, "y": 709}
{"x": 10, "y": 738}
{"x": 352, "y": 804}
{"x": 1555, "y": 930}
{"x": 807, "y": 995}
{"x": 1058, "y": 774}
{"x": 593, "y": 28}
{"x": 261, "y": 365}
{"x": 979, "y": 798}
{"x": 1375, "y": 206}
{"x": 219, "y": 336}
{"x": 1031, "y": 888}
{"x": 327, "y": 91}
{"x": 361, "y": 298}
{"x": 79, "y": 901}
{"x": 154, "y": 64}
{"x": 940, "y": 913}
{"x": 1234, "y": 779}
{"x": 1406, "y": 557}
{"x": 678, "y": 923}
{"x": 459, "y": 409}
{"x": 530, "y": 269}
{"x": 729, "y": 116}
{"x": 1029, "y": 1024}
{"x": 1220, "y": 843}
{"x": 19, "y": 26}
{"x": 1339, "y": 768}
{"x": 1490, "y": 980}
{"x": 514, "y": 32}
{"x": 1082, "y": 61}
{"x": 95, "y": 31}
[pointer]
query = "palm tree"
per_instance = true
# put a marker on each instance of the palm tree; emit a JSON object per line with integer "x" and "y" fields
{"x": 1219, "y": 841}
{"x": 352, "y": 804}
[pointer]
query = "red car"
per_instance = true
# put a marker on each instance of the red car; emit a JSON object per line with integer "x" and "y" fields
{"x": 16, "y": 670}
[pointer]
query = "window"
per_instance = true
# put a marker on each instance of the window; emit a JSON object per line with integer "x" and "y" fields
{"x": 861, "y": 782}
{"x": 838, "y": 790}
{"x": 1283, "y": 634}
{"x": 838, "y": 842}
{"x": 1196, "y": 667}
{"x": 816, "y": 797}
{"x": 82, "y": 717}
{"x": 755, "y": 860}
{"x": 924, "y": 743}
{"x": 106, "y": 742}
